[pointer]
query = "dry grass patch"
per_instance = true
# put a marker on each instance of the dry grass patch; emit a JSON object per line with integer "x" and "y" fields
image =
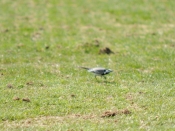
{"x": 49, "y": 120}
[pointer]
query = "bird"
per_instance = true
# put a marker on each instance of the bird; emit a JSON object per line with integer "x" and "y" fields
{"x": 98, "y": 71}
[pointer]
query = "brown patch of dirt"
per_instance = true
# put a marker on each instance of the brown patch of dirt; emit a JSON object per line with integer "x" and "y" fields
{"x": 153, "y": 33}
{"x": 29, "y": 83}
{"x": 109, "y": 114}
{"x": 72, "y": 95}
{"x": 47, "y": 47}
{"x": 126, "y": 112}
{"x": 140, "y": 92}
{"x": 16, "y": 98}
{"x": 26, "y": 99}
{"x": 10, "y": 86}
{"x": 106, "y": 50}
{"x": 114, "y": 113}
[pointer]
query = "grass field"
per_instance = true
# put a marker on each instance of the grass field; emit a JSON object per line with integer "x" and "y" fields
{"x": 42, "y": 44}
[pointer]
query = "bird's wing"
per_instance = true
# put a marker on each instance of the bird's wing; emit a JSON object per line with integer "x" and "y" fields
{"x": 99, "y": 71}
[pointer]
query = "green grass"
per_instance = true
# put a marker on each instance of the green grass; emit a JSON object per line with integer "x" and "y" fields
{"x": 43, "y": 42}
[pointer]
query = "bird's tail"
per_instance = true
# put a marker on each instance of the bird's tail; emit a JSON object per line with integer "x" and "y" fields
{"x": 84, "y": 68}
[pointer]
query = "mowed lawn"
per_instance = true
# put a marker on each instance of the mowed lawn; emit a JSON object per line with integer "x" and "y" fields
{"x": 43, "y": 43}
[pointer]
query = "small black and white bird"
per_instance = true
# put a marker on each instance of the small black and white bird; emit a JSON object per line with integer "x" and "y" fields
{"x": 98, "y": 71}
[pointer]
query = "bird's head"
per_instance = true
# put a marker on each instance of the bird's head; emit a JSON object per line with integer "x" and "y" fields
{"x": 108, "y": 71}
